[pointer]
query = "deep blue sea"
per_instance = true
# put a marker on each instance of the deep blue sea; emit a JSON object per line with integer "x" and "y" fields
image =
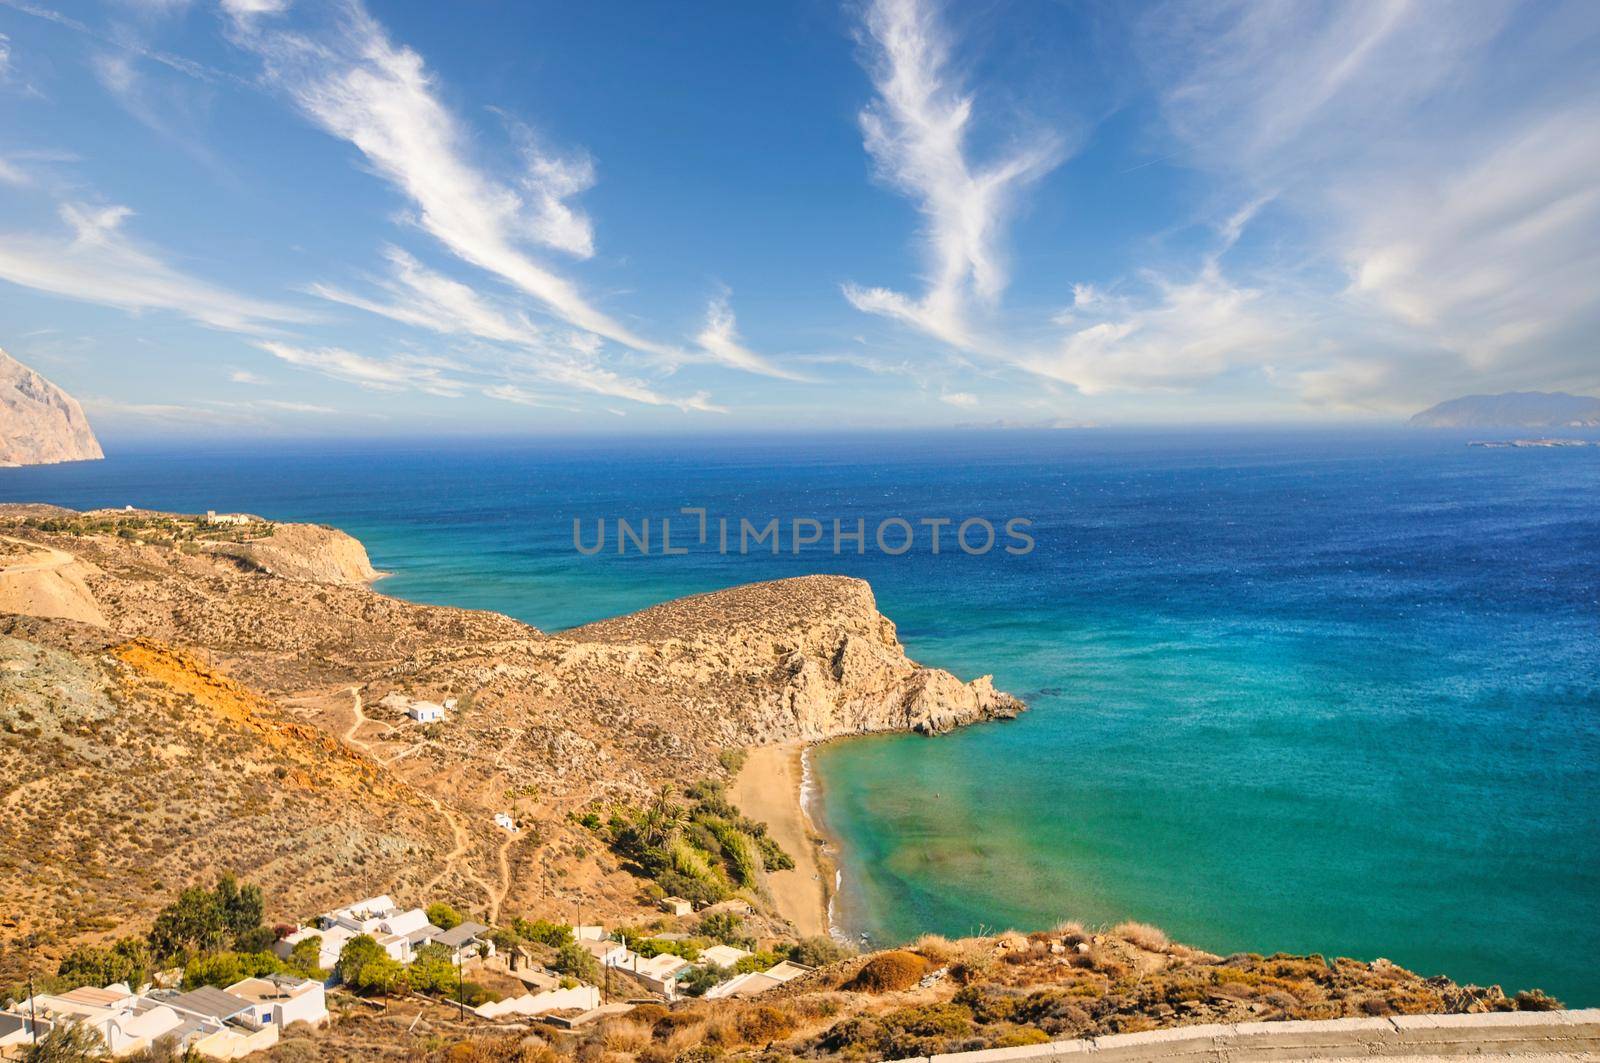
{"x": 1290, "y": 690}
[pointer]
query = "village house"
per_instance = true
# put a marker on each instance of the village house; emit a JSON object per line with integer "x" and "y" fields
{"x": 16, "y": 1033}
{"x": 660, "y": 974}
{"x": 425, "y": 712}
{"x": 215, "y": 518}
{"x": 400, "y": 932}
{"x": 504, "y": 821}
{"x": 749, "y": 985}
{"x": 677, "y": 906}
{"x": 608, "y": 953}
{"x": 209, "y": 1021}
{"x": 722, "y": 955}
{"x": 466, "y": 941}
{"x": 283, "y": 1000}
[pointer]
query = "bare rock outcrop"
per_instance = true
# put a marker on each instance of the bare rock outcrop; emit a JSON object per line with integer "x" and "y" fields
{"x": 39, "y": 423}
{"x": 820, "y": 660}
{"x": 307, "y": 552}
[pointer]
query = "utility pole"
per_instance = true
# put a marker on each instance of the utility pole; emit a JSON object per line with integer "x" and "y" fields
{"x": 33, "y": 998}
{"x": 461, "y": 988}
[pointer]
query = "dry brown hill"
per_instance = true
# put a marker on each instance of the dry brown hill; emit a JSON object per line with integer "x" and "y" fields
{"x": 226, "y": 711}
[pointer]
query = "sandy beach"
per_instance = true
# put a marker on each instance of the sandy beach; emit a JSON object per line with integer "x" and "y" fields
{"x": 768, "y": 789}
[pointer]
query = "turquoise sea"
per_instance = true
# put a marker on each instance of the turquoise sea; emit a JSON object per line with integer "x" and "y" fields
{"x": 1308, "y": 691}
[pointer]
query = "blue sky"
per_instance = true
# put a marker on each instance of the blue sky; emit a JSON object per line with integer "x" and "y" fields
{"x": 276, "y": 216}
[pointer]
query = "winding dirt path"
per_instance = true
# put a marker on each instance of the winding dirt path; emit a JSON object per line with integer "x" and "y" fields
{"x": 457, "y": 857}
{"x": 360, "y": 718}
{"x": 54, "y": 558}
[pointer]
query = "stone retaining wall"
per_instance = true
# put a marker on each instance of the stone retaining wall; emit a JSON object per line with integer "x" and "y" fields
{"x": 1508, "y": 1033}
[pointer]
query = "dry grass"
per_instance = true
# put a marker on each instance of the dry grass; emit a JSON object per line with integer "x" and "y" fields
{"x": 624, "y": 1034}
{"x": 939, "y": 951}
{"x": 889, "y": 972}
{"x": 1147, "y": 937}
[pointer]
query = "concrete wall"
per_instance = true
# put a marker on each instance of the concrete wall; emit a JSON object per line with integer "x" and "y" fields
{"x": 1498, "y": 1034}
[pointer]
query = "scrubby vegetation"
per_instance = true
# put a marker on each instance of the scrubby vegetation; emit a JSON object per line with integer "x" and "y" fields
{"x": 701, "y": 849}
{"x": 939, "y": 996}
{"x": 213, "y": 936}
{"x": 149, "y": 527}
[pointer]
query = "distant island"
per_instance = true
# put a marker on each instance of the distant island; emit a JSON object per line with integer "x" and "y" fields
{"x": 1521, "y": 409}
{"x": 39, "y": 423}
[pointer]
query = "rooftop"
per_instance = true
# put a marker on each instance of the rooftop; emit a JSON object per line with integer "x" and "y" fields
{"x": 459, "y": 936}
{"x": 210, "y": 1001}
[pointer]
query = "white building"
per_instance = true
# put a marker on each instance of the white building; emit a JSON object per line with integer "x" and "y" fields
{"x": 677, "y": 906}
{"x": 722, "y": 955}
{"x": 609, "y": 953}
{"x": 466, "y": 941}
{"x": 660, "y": 974}
{"x": 425, "y": 712}
{"x": 749, "y": 985}
{"x": 282, "y": 1000}
{"x": 399, "y": 931}
{"x": 504, "y": 821}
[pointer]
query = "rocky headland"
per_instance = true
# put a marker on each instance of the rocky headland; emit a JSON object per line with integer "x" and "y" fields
{"x": 39, "y": 423}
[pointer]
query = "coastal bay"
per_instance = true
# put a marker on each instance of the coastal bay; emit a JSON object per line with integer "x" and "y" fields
{"x": 1286, "y": 690}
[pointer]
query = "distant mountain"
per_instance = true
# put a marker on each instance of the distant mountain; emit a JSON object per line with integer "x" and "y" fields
{"x": 1519, "y": 409}
{"x": 39, "y": 423}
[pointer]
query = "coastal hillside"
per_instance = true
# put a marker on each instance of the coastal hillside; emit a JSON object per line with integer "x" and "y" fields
{"x": 252, "y": 665}
{"x": 1527, "y": 409}
{"x": 131, "y": 767}
{"x": 39, "y": 423}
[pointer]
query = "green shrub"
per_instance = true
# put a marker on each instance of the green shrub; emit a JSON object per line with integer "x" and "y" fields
{"x": 817, "y": 952}
{"x": 365, "y": 968}
{"x": 576, "y": 961}
{"x": 444, "y": 916}
{"x": 222, "y": 969}
{"x": 127, "y": 961}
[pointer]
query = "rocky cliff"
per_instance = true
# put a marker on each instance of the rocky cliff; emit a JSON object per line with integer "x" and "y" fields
{"x": 821, "y": 660}
{"x": 307, "y": 552}
{"x": 39, "y": 423}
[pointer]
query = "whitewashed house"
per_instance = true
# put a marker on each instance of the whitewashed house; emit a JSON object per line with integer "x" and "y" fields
{"x": 677, "y": 906}
{"x": 466, "y": 941}
{"x": 609, "y": 953}
{"x": 722, "y": 955}
{"x": 660, "y": 974}
{"x": 504, "y": 821}
{"x": 425, "y": 712}
{"x": 282, "y": 1000}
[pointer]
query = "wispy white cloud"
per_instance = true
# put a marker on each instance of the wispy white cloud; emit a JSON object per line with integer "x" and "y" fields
{"x": 96, "y": 261}
{"x": 1442, "y": 160}
{"x": 403, "y": 372}
{"x": 423, "y": 298}
{"x": 720, "y": 340}
{"x": 1180, "y": 335}
{"x": 358, "y": 85}
{"x": 916, "y": 131}
{"x": 244, "y": 376}
{"x": 963, "y": 399}
{"x": 427, "y": 299}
